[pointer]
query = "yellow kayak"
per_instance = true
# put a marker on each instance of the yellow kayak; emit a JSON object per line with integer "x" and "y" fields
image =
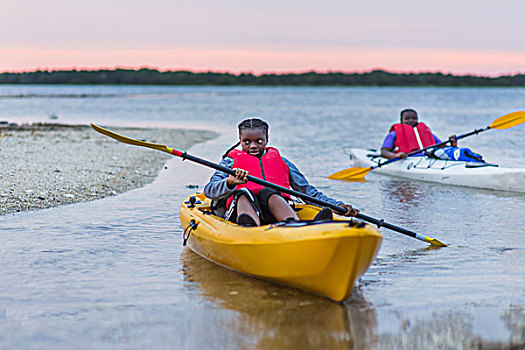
{"x": 325, "y": 258}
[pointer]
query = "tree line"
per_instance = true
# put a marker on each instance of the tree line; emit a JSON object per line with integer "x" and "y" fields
{"x": 146, "y": 76}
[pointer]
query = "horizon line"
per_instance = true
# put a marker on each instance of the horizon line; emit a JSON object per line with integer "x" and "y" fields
{"x": 252, "y": 72}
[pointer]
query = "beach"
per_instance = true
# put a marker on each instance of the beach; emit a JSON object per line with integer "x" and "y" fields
{"x": 47, "y": 165}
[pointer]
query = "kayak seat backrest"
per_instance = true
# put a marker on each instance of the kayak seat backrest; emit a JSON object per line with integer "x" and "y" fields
{"x": 218, "y": 208}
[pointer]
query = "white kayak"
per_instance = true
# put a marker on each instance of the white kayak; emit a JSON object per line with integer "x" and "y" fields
{"x": 459, "y": 173}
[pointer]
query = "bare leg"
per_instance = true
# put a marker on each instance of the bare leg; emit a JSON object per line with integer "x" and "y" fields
{"x": 280, "y": 209}
{"x": 244, "y": 206}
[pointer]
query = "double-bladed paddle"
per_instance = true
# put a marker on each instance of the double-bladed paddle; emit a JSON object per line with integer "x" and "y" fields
{"x": 358, "y": 173}
{"x": 303, "y": 196}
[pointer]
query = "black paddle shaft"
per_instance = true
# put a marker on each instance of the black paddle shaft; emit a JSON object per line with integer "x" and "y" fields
{"x": 340, "y": 210}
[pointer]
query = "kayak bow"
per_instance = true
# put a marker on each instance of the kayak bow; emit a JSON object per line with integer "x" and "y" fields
{"x": 325, "y": 258}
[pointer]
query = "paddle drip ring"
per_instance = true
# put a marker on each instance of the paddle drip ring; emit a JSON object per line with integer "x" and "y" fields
{"x": 187, "y": 231}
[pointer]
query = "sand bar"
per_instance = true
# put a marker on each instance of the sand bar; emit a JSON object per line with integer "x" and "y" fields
{"x": 47, "y": 165}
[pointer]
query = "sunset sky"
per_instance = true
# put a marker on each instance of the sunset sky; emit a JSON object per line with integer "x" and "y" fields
{"x": 462, "y": 37}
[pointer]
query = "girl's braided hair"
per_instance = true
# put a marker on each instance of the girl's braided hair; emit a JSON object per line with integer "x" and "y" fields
{"x": 252, "y": 123}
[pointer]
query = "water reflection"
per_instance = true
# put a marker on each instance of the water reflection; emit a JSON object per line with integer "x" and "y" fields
{"x": 409, "y": 193}
{"x": 275, "y": 317}
{"x": 453, "y": 329}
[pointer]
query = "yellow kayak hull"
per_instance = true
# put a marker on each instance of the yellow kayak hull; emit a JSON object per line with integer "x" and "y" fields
{"x": 322, "y": 258}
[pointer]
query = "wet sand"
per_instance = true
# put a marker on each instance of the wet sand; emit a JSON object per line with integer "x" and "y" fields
{"x": 47, "y": 165}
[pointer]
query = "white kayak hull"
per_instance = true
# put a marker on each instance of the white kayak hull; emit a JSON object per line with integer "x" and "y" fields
{"x": 448, "y": 172}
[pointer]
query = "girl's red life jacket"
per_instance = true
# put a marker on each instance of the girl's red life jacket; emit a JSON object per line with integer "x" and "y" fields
{"x": 270, "y": 167}
{"x": 406, "y": 139}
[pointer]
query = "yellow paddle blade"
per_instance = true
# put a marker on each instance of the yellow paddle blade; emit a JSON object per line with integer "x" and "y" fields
{"x": 131, "y": 141}
{"x": 434, "y": 242}
{"x": 509, "y": 120}
{"x": 351, "y": 174}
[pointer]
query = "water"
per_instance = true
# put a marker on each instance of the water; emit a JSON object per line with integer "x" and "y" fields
{"x": 113, "y": 273}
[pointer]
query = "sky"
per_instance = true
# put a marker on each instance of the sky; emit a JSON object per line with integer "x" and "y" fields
{"x": 450, "y": 36}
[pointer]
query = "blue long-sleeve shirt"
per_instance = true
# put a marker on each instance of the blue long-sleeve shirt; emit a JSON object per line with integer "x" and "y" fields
{"x": 217, "y": 187}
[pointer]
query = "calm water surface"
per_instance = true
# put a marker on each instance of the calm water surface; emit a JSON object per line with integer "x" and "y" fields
{"x": 113, "y": 273}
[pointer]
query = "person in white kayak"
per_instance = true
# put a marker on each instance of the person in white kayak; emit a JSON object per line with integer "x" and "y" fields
{"x": 410, "y": 135}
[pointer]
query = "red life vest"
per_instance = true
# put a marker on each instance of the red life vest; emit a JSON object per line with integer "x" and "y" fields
{"x": 270, "y": 167}
{"x": 406, "y": 139}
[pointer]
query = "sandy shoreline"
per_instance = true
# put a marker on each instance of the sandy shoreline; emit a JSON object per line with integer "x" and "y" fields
{"x": 44, "y": 166}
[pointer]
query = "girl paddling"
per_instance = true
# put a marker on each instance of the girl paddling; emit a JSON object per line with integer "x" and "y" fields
{"x": 250, "y": 204}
